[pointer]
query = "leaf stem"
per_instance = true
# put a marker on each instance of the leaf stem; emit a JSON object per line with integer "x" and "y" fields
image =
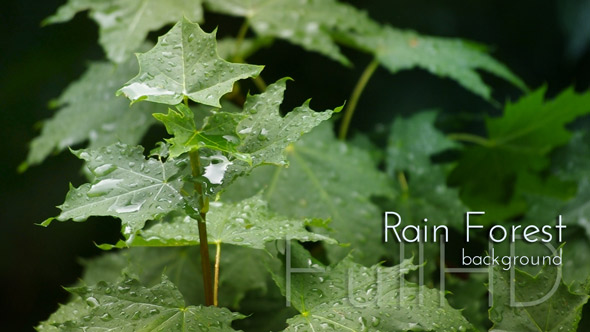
{"x": 355, "y": 96}
{"x": 464, "y": 137}
{"x": 203, "y": 209}
{"x": 216, "y": 280}
{"x": 403, "y": 182}
{"x": 258, "y": 81}
{"x": 240, "y": 39}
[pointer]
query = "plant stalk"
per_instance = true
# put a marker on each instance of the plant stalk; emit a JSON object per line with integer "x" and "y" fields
{"x": 203, "y": 209}
{"x": 216, "y": 279}
{"x": 470, "y": 138}
{"x": 240, "y": 39}
{"x": 355, "y": 96}
{"x": 403, "y": 182}
{"x": 258, "y": 80}
{"x": 260, "y": 83}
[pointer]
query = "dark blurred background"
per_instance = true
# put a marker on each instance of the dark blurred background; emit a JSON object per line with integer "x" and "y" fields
{"x": 544, "y": 42}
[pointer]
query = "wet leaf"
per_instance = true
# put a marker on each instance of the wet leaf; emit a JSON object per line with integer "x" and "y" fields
{"x": 572, "y": 163}
{"x": 424, "y": 192}
{"x": 326, "y": 179}
{"x": 126, "y": 185}
{"x": 185, "y": 64}
{"x": 124, "y": 24}
{"x": 266, "y": 134}
{"x": 90, "y": 111}
{"x": 182, "y": 266}
{"x": 445, "y": 57}
{"x": 561, "y": 311}
{"x": 66, "y": 312}
{"x": 308, "y": 23}
{"x": 349, "y": 296}
{"x": 519, "y": 142}
{"x": 218, "y": 132}
{"x": 232, "y": 144}
{"x": 248, "y": 223}
{"x": 129, "y": 306}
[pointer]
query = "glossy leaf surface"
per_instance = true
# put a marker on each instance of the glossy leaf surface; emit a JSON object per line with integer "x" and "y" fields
{"x": 445, "y": 57}
{"x": 326, "y": 179}
{"x": 124, "y": 24}
{"x": 185, "y": 64}
{"x": 129, "y": 306}
{"x": 248, "y": 223}
{"x": 90, "y": 111}
{"x": 352, "y": 297}
{"x": 127, "y": 186}
{"x": 560, "y": 312}
{"x": 424, "y": 192}
{"x": 519, "y": 142}
{"x": 307, "y": 23}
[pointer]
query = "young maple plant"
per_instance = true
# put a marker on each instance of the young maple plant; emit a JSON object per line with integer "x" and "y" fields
{"x": 215, "y": 217}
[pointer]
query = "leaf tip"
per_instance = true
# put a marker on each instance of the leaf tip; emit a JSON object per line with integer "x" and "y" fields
{"x": 46, "y": 21}
{"x": 339, "y": 108}
{"x": 22, "y": 167}
{"x": 47, "y": 222}
{"x": 187, "y": 20}
{"x": 285, "y": 79}
{"x": 108, "y": 246}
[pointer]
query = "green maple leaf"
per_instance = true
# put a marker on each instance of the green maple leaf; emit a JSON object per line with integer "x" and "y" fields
{"x": 326, "y": 179}
{"x": 126, "y": 186}
{"x": 89, "y": 110}
{"x": 124, "y": 24}
{"x": 413, "y": 141}
{"x": 66, "y": 312}
{"x": 571, "y": 163}
{"x": 182, "y": 265}
{"x": 218, "y": 132}
{"x": 248, "y": 223}
{"x": 576, "y": 259}
{"x": 129, "y": 306}
{"x": 577, "y": 211}
{"x": 351, "y": 297}
{"x": 519, "y": 142}
{"x": 232, "y": 144}
{"x": 425, "y": 193}
{"x": 560, "y": 312}
{"x": 266, "y": 134}
{"x": 309, "y": 24}
{"x": 446, "y": 57}
{"x": 185, "y": 64}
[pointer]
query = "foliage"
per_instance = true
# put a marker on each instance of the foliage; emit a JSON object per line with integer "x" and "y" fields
{"x": 92, "y": 97}
{"x": 560, "y": 313}
{"x": 125, "y": 24}
{"x": 185, "y": 63}
{"x": 518, "y": 144}
{"x": 357, "y": 300}
{"x": 128, "y": 306}
{"x": 253, "y": 181}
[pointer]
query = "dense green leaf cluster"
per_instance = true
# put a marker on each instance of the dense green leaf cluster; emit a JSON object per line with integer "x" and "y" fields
{"x": 244, "y": 177}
